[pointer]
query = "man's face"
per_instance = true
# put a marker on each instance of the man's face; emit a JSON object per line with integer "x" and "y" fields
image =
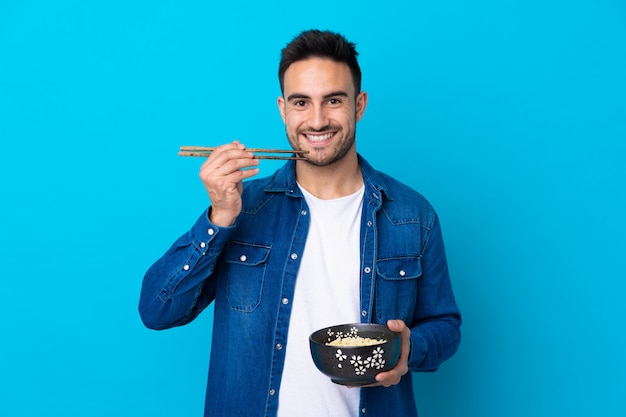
{"x": 320, "y": 109}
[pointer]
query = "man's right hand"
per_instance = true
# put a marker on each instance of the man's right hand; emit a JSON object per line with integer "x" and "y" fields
{"x": 222, "y": 175}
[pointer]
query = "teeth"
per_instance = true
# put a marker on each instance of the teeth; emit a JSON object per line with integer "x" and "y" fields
{"x": 319, "y": 138}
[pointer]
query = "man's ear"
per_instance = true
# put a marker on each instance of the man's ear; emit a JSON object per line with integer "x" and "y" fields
{"x": 281, "y": 107}
{"x": 361, "y": 104}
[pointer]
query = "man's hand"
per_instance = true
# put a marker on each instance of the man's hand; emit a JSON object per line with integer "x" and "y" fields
{"x": 393, "y": 376}
{"x": 222, "y": 175}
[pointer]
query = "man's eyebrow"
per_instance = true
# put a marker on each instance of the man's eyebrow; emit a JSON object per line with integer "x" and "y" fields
{"x": 298, "y": 96}
{"x": 336, "y": 94}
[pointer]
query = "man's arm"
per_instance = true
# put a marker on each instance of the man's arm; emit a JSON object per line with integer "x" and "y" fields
{"x": 435, "y": 334}
{"x": 178, "y": 286}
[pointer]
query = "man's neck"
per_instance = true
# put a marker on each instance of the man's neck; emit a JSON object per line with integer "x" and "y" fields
{"x": 337, "y": 180}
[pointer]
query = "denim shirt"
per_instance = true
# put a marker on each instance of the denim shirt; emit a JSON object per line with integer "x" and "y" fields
{"x": 249, "y": 270}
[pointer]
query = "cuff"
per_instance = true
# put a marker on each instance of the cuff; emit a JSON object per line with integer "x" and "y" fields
{"x": 418, "y": 349}
{"x": 207, "y": 237}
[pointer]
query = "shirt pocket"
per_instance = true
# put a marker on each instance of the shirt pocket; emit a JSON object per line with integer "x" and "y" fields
{"x": 246, "y": 264}
{"x": 396, "y": 287}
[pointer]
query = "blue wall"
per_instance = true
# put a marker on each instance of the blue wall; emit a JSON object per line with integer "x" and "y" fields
{"x": 509, "y": 116}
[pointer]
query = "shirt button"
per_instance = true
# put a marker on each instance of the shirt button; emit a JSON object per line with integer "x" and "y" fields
{"x": 285, "y": 301}
{"x": 294, "y": 256}
{"x": 211, "y": 232}
{"x": 364, "y": 313}
{"x": 369, "y": 223}
{"x": 367, "y": 269}
{"x": 243, "y": 258}
{"x": 186, "y": 267}
{"x": 402, "y": 273}
{"x": 363, "y": 410}
{"x": 272, "y": 391}
{"x": 279, "y": 346}
{"x": 303, "y": 212}
{"x": 202, "y": 244}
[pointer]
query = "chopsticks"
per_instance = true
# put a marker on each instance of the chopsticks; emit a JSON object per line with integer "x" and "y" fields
{"x": 205, "y": 151}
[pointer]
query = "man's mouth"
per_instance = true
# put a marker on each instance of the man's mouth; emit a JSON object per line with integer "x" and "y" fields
{"x": 316, "y": 137}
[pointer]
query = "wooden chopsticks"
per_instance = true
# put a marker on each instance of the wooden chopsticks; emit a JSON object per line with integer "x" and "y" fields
{"x": 205, "y": 151}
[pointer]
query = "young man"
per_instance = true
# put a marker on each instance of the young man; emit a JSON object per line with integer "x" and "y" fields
{"x": 323, "y": 241}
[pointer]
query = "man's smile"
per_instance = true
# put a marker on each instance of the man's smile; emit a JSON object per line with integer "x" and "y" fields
{"x": 319, "y": 137}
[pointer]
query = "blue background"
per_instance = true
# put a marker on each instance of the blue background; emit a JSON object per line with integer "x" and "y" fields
{"x": 509, "y": 116}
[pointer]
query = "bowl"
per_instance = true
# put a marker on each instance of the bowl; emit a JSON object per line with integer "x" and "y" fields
{"x": 355, "y": 365}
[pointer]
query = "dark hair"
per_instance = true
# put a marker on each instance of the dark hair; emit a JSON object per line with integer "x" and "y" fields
{"x": 317, "y": 44}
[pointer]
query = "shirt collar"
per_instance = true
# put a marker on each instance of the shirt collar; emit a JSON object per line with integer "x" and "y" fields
{"x": 284, "y": 180}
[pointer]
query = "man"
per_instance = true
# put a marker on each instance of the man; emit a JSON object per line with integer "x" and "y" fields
{"x": 324, "y": 241}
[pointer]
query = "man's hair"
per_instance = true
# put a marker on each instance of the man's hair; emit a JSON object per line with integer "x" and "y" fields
{"x": 317, "y": 44}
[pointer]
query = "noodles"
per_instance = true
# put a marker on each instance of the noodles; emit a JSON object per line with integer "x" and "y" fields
{"x": 355, "y": 341}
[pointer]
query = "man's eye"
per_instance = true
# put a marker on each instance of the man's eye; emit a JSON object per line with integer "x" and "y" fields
{"x": 334, "y": 101}
{"x": 299, "y": 103}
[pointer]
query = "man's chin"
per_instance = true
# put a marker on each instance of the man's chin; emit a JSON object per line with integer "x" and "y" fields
{"x": 323, "y": 160}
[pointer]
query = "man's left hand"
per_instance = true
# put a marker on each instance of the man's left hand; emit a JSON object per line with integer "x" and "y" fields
{"x": 393, "y": 376}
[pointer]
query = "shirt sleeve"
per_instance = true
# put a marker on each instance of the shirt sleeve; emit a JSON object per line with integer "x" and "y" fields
{"x": 179, "y": 285}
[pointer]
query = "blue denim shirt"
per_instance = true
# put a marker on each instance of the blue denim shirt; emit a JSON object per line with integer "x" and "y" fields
{"x": 249, "y": 270}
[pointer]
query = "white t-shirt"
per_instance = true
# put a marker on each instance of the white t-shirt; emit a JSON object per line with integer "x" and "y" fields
{"x": 326, "y": 294}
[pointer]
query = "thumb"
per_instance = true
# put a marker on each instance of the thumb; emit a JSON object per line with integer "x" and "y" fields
{"x": 394, "y": 325}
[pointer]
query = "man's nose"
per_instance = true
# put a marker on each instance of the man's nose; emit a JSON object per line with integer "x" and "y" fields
{"x": 319, "y": 117}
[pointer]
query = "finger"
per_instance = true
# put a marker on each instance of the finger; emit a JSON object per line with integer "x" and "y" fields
{"x": 238, "y": 176}
{"x": 225, "y": 147}
{"x": 228, "y": 182}
{"x": 228, "y": 161}
{"x": 396, "y": 325}
{"x": 389, "y": 378}
{"x": 222, "y": 157}
{"x": 228, "y": 165}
